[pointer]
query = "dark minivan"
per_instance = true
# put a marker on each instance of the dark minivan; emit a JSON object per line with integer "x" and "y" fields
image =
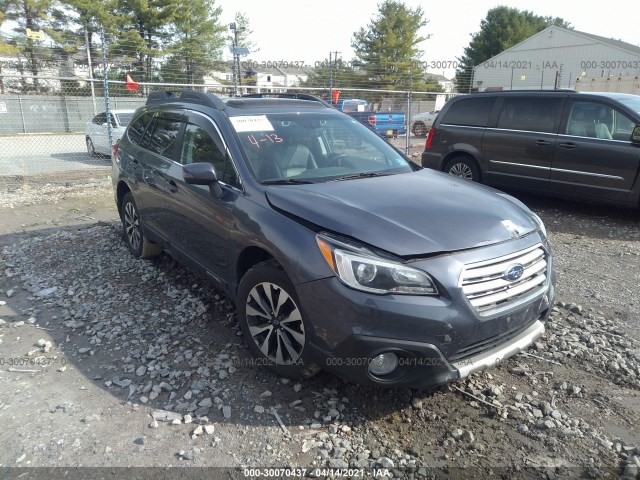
{"x": 338, "y": 252}
{"x": 583, "y": 145}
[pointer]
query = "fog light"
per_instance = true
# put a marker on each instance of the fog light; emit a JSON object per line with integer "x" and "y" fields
{"x": 383, "y": 364}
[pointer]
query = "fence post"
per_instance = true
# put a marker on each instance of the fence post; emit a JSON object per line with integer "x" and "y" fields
{"x": 24, "y": 125}
{"x": 65, "y": 111}
{"x": 105, "y": 66}
{"x": 408, "y": 116}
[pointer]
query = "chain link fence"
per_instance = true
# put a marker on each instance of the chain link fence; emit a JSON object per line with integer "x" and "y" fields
{"x": 53, "y": 122}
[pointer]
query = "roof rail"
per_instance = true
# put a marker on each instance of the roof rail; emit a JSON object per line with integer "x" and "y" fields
{"x": 186, "y": 96}
{"x": 296, "y": 96}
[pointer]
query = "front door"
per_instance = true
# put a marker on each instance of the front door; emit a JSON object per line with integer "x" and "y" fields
{"x": 594, "y": 156}
{"x": 201, "y": 222}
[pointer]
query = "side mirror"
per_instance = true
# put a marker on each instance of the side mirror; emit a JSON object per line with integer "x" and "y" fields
{"x": 202, "y": 173}
{"x": 635, "y": 135}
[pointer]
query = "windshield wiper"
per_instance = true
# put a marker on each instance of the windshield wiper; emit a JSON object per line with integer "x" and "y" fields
{"x": 286, "y": 181}
{"x": 362, "y": 175}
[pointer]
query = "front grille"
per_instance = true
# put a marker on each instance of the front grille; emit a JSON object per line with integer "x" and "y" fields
{"x": 488, "y": 288}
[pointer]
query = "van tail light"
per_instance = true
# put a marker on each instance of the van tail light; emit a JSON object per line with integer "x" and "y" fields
{"x": 432, "y": 132}
{"x": 372, "y": 120}
{"x": 114, "y": 151}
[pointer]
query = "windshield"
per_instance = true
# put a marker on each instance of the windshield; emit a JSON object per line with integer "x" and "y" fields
{"x": 314, "y": 147}
{"x": 124, "y": 118}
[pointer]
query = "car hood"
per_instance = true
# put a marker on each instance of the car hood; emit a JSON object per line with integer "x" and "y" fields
{"x": 411, "y": 214}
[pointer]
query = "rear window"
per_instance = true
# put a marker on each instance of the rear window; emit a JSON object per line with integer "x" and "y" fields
{"x": 165, "y": 134}
{"x": 471, "y": 111}
{"x": 137, "y": 128}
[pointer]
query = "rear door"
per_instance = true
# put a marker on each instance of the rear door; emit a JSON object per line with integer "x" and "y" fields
{"x": 594, "y": 156}
{"x": 159, "y": 147}
{"x": 519, "y": 149}
{"x": 199, "y": 222}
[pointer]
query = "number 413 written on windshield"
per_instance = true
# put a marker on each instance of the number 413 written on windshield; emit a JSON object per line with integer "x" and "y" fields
{"x": 267, "y": 137}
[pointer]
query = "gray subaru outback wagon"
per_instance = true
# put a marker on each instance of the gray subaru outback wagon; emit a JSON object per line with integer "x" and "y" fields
{"x": 339, "y": 253}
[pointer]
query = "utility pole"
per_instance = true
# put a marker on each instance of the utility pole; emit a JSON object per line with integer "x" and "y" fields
{"x": 332, "y": 68}
{"x": 236, "y": 51}
{"x": 232, "y": 27}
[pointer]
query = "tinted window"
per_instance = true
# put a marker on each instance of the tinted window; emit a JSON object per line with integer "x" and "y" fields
{"x": 163, "y": 138}
{"x": 530, "y": 114}
{"x": 470, "y": 111}
{"x": 100, "y": 118}
{"x": 596, "y": 120}
{"x": 198, "y": 146}
{"x": 137, "y": 128}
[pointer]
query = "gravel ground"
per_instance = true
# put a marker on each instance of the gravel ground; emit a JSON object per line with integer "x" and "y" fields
{"x": 107, "y": 361}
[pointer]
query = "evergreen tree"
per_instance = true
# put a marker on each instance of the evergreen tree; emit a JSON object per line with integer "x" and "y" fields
{"x": 197, "y": 41}
{"x": 388, "y": 48}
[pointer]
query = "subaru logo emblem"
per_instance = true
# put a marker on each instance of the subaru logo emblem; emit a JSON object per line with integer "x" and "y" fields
{"x": 514, "y": 272}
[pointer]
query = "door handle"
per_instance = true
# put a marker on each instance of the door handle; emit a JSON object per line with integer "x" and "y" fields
{"x": 542, "y": 143}
{"x": 173, "y": 186}
{"x": 567, "y": 146}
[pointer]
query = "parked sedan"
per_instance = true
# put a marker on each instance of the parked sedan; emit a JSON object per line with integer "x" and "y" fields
{"x": 97, "y": 134}
{"x": 421, "y": 123}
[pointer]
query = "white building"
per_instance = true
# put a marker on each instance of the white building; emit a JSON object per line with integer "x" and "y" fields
{"x": 557, "y": 57}
{"x": 259, "y": 78}
{"x": 448, "y": 85}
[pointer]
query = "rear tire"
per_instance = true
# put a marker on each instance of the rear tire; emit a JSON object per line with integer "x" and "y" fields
{"x": 464, "y": 167}
{"x": 272, "y": 321}
{"x": 137, "y": 242}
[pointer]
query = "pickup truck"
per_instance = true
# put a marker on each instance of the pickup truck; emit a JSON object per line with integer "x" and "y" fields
{"x": 385, "y": 124}
{"x": 97, "y": 135}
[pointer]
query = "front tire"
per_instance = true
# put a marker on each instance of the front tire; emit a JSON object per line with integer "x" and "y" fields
{"x": 137, "y": 242}
{"x": 463, "y": 167}
{"x": 272, "y": 321}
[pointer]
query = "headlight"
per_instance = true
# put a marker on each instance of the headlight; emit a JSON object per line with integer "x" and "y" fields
{"x": 540, "y": 223}
{"x": 362, "y": 270}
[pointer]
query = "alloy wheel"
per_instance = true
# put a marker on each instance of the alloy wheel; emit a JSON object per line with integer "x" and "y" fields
{"x": 275, "y": 323}
{"x": 132, "y": 226}
{"x": 461, "y": 170}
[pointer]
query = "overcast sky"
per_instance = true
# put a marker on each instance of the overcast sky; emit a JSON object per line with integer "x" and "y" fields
{"x": 295, "y": 30}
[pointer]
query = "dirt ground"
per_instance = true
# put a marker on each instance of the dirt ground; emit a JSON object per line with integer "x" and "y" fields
{"x": 77, "y": 378}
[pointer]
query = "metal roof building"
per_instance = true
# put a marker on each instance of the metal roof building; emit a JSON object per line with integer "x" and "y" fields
{"x": 557, "y": 57}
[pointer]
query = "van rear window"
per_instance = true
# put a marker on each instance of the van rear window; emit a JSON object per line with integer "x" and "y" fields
{"x": 471, "y": 111}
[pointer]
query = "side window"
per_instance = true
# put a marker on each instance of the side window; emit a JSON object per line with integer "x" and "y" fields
{"x": 137, "y": 128}
{"x": 198, "y": 146}
{"x": 529, "y": 114}
{"x": 473, "y": 112}
{"x": 100, "y": 119}
{"x": 622, "y": 126}
{"x": 596, "y": 120}
{"x": 163, "y": 138}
